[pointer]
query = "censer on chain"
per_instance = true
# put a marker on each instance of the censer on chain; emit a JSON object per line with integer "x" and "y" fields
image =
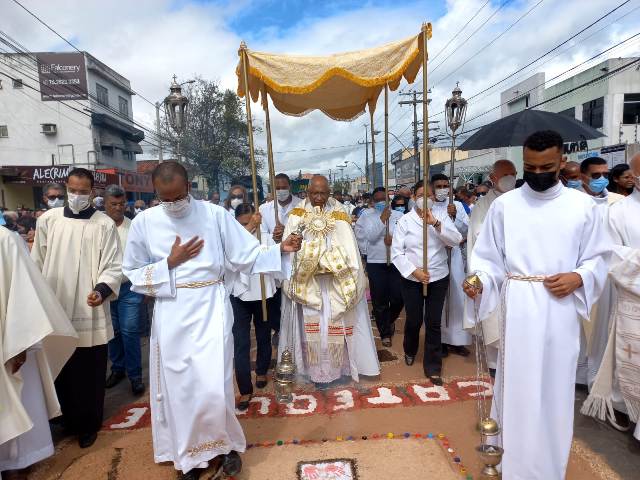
{"x": 490, "y": 455}
{"x": 285, "y": 372}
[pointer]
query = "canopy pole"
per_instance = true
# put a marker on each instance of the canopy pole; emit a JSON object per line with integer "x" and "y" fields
{"x": 272, "y": 171}
{"x": 425, "y": 150}
{"x": 386, "y": 163}
{"x": 451, "y": 202}
{"x": 252, "y": 157}
{"x": 373, "y": 152}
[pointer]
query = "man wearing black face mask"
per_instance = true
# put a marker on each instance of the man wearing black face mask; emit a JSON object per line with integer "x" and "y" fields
{"x": 542, "y": 281}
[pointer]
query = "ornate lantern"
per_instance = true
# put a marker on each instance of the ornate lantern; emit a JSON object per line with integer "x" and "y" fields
{"x": 456, "y": 109}
{"x": 176, "y": 106}
{"x": 284, "y": 377}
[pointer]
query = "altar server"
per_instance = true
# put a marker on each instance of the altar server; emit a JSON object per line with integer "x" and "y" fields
{"x": 542, "y": 258}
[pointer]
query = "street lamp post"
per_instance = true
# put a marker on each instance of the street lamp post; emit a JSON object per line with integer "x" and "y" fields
{"x": 455, "y": 109}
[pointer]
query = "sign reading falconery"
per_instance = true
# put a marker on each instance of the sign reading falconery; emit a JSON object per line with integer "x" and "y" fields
{"x": 62, "y": 76}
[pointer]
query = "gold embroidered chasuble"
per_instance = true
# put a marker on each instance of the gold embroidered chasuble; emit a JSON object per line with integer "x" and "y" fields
{"x": 329, "y": 248}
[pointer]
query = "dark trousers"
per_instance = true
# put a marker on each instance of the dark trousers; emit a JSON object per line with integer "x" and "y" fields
{"x": 273, "y": 310}
{"x": 80, "y": 389}
{"x": 385, "y": 283}
{"x": 427, "y": 309}
{"x": 243, "y": 314}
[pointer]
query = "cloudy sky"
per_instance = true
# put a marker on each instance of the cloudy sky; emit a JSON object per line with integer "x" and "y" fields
{"x": 475, "y": 42}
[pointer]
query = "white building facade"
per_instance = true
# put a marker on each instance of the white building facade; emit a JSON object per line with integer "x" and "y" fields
{"x": 59, "y": 111}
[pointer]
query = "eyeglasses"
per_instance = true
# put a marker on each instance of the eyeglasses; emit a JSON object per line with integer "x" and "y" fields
{"x": 238, "y": 196}
{"x": 54, "y": 197}
{"x": 597, "y": 175}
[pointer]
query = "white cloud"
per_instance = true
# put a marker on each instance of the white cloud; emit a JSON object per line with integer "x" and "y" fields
{"x": 148, "y": 41}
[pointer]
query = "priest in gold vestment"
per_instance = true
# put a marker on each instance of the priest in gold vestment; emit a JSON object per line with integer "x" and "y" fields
{"x": 325, "y": 319}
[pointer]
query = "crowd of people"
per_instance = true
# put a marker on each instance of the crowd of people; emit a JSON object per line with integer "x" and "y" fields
{"x": 555, "y": 255}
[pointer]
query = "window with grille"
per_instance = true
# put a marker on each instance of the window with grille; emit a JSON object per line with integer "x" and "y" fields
{"x": 103, "y": 95}
{"x": 631, "y": 108}
{"x": 17, "y": 83}
{"x": 593, "y": 112}
{"x": 4, "y": 131}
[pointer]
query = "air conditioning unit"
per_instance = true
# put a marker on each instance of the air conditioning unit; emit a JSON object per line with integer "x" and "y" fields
{"x": 49, "y": 128}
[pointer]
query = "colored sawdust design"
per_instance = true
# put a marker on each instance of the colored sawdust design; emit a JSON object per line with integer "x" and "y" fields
{"x": 331, "y": 469}
{"x": 595, "y": 461}
{"x": 332, "y": 402}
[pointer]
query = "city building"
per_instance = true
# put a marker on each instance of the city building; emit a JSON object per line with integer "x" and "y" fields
{"x": 605, "y": 96}
{"x": 59, "y": 111}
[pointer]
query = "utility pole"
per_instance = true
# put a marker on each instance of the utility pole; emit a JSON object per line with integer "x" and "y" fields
{"x": 366, "y": 153}
{"x": 414, "y": 101}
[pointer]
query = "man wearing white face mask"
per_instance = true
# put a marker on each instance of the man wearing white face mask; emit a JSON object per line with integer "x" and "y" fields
{"x": 77, "y": 248}
{"x": 503, "y": 176}
{"x": 179, "y": 254}
{"x": 454, "y": 337}
{"x": 275, "y": 229}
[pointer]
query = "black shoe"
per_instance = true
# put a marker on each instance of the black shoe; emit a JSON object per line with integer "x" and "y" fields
{"x": 192, "y": 475}
{"x": 492, "y": 372}
{"x": 137, "y": 387}
{"x": 87, "y": 439}
{"x": 232, "y": 464}
{"x": 445, "y": 350}
{"x": 114, "y": 379}
{"x": 460, "y": 350}
{"x": 386, "y": 342}
{"x": 436, "y": 380}
{"x": 243, "y": 405}
{"x": 408, "y": 359}
{"x": 262, "y": 382}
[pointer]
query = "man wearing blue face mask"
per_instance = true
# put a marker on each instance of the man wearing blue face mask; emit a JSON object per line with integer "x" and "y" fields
{"x": 594, "y": 173}
{"x": 570, "y": 175}
{"x": 384, "y": 280}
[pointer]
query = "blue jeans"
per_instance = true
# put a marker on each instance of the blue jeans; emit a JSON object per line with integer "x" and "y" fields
{"x": 124, "y": 348}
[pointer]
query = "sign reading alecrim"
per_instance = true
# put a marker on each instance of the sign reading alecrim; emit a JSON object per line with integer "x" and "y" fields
{"x": 62, "y": 76}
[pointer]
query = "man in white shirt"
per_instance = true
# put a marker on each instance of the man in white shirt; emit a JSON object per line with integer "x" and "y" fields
{"x": 503, "y": 177}
{"x": 274, "y": 228}
{"x": 384, "y": 278}
{"x": 124, "y": 347}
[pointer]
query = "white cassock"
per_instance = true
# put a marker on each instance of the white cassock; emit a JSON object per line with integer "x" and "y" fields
{"x": 489, "y": 324}
{"x": 268, "y": 215}
{"x": 617, "y": 380}
{"x": 359, "y": 351}
{"x": 595, "y": 331}
{"x": 191, "y": 347}
{"x": 455, "y": 334}
{"x": 528, "y": 233}
{"x": 31, "y": 320}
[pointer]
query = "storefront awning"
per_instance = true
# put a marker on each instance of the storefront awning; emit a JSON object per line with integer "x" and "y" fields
{"x": 129, "y": 132}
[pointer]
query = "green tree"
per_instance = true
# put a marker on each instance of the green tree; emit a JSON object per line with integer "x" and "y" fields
{"x": 214, "y": 143}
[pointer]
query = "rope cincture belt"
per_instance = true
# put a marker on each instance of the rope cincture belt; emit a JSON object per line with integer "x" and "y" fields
{"x": 527, "y": 278}
{"x": 200, "y": 284}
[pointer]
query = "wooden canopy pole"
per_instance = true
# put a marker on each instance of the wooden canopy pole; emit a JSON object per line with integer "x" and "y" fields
{"x": 386, "y": 162}
{"x": 272, "y": 171}
{"x": 373, "y": 153}
{"x": 252, "y": 156}
{"x": 425, "y": 148}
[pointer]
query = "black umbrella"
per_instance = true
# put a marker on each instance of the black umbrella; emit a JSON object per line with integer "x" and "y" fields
{"x": 513, "y": 130}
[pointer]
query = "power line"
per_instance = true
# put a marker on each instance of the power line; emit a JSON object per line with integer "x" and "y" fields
{"x": 74, "y": 47}
{"x": 474, "y": 16}
{"x": 70, "y": 88}
{"x": 489, "y": 44}
{"x": 512, "y": 74}
{"x": 495, "y": 12}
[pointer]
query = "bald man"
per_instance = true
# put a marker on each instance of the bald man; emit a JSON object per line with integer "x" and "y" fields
{"x": 325, "y": 319}
{"x": 503, "y": 177}
{"x": 570, "y": 175}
